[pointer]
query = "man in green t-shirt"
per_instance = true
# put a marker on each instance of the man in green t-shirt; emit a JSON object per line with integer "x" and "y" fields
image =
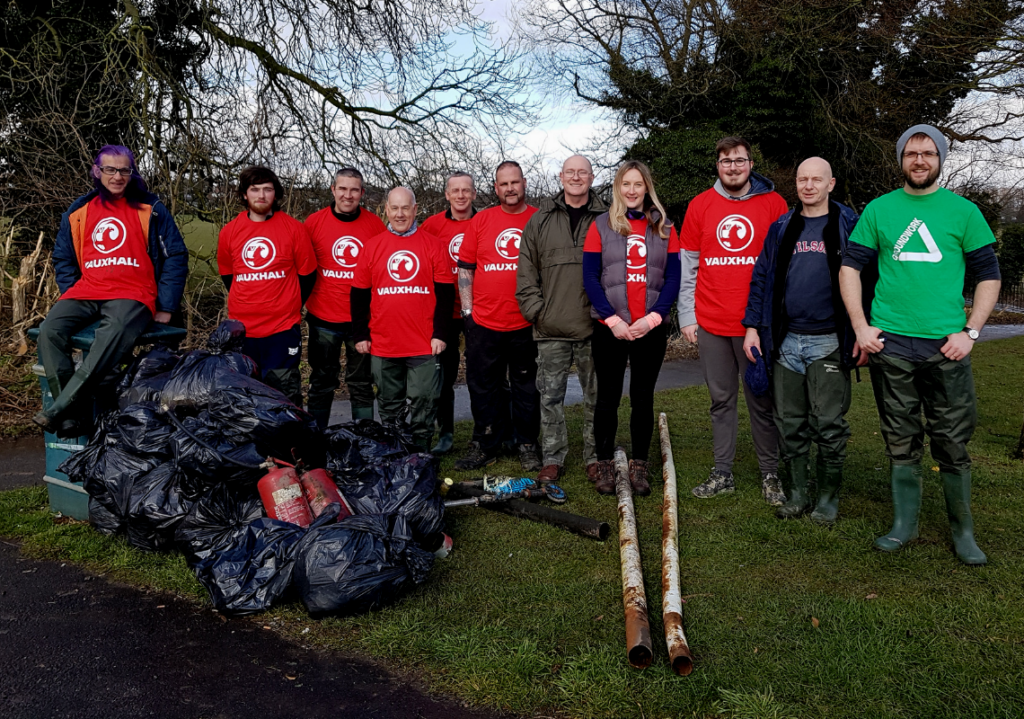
{"x": 924, "y": 238}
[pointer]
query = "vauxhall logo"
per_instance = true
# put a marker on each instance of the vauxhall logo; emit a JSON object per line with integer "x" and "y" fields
{"x": 507, "y": 243}
{"x": 636, "y": 252}
{"x": 258, "y": 253}
{"x": 735, "y": 233}
{"x": 346, "y": 251}
{"x": 403, "y": 266}
{"x": 455, "y": 245}
{"x": 108, "y": 235}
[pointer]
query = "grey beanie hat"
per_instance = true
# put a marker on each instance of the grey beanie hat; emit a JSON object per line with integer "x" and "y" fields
{"x": 937, "y": 137}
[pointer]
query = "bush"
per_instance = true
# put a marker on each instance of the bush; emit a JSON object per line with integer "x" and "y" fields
{"x": 1011, "y": 255}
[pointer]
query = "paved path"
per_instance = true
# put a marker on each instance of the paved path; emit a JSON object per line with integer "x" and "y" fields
{"x": 678, "y": 373}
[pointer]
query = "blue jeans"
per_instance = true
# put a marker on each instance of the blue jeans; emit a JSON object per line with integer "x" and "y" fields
{"x": 798, "y": 351}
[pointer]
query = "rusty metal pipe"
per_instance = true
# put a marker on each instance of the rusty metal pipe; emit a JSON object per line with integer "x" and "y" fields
{"x": 583, "y": 526}
{"x": 671, "y": 594}
{"x": 634, "y": 600}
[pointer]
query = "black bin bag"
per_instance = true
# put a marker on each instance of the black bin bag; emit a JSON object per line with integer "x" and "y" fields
{"x": 150, "y": 363}
{"x": 217, "y": 521}
{"x": 246, "y": 410}
{"x": 144, "y": 430}
{"x": 156, "y": 507}
{"x": 205, "y": 468}
{"x": 107, "y": 472}
{"x": 354, "y": 446}
{"x": 362, "y": 562}
{"x": 150, "y": 389}
{"x": 192, "y": 379}
{"x": 256, "y": 571}
{"x": 408, "y": 487}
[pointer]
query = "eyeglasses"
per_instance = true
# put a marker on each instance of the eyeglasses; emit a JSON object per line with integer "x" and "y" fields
{"x": 576, "y": 173}
{"x": 738, "y": 162}
{"x": 927, "y": 154}
{"x": 122, "y": 171}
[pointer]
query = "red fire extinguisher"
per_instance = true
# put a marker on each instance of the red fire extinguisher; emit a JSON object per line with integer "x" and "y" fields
{"x": 282, "y": 495}
{"x": 320, "y": 491}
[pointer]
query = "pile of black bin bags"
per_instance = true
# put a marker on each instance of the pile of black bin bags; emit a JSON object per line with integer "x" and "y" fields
{"x": 166, "y": 487}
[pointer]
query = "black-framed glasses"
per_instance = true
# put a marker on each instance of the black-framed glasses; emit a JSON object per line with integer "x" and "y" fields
{"x": 738, "y": 162}
{"x": 927, "y": 154}
{"x": 122, "y": 171}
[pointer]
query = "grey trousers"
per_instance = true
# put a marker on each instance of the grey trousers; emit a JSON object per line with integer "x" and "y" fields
{"x": 723, "y": 361}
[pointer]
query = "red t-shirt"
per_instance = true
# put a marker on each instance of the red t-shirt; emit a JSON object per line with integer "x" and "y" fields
{"x": 450, "y": 233}
{"x": 636, "y": 262}
{"x": 114, "y": 257}
{"x": 400, "y": 273}
{"x": 338, "y": 246}
{"x": 729, "y": 235}
{"x": 492, "y": 244}
{"x": 266, "y": 259}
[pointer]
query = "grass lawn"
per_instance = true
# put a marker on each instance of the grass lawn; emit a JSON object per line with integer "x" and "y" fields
{"x": 785, "y": 619}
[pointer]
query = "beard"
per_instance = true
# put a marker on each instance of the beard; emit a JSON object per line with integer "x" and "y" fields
{"x": 734, "y": 183}
{"x": 933, "y": 176}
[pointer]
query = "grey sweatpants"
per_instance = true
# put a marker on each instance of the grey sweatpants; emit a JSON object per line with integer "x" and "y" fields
{"x": 723, "y": 361}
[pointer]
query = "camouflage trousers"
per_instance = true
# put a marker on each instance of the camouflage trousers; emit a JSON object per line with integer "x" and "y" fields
{"x": 554, "y": 360}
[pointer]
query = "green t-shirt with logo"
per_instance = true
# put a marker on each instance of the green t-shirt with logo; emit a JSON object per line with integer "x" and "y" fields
{"x": 921, "y": 241}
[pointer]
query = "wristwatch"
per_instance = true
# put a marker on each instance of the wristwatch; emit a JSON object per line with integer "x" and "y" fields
{"x": 466, "y": 314}
{"x": 972, "y": 333}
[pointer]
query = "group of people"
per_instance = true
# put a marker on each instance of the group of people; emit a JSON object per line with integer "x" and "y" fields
{"x": 784, "y": 302}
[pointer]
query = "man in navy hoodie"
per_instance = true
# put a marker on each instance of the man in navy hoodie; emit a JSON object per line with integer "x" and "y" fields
{"x": 796, "y": 319}
{"x": 118, "y": 258}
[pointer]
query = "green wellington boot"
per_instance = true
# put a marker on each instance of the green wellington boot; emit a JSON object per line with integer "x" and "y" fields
{"x": 799, "y": 502}
{"x": 362, "y": 413}
{"x": 830, "y": 476}
{"x": 906, "y": 507}
{"x": 957, "y": 488}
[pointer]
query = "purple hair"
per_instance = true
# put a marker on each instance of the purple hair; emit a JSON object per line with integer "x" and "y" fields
{"x": 136, "y": 190}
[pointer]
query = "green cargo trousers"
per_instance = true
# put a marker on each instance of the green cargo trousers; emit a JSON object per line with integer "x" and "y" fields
{"x": 408, "y": 385}
{"x": 812, "y": 408}
{"x": 940, "y": 389}
{"x": 121, "y": 323}
{"x": 554, "y": 360}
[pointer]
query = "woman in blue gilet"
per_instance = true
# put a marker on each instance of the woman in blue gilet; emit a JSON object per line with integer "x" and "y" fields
{"x": 631, "y": 273}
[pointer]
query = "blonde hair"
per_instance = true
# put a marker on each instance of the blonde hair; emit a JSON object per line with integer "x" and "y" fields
{"x": 617, "y": 214}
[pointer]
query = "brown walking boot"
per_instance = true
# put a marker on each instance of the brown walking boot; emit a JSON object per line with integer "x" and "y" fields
{"x": 605, "y": 483}
{"x": 550, "y": 473}
{"x": 638, "y": 477}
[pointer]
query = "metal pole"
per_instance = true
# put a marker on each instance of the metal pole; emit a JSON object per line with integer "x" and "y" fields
{"x": 634, "y": 600}
{"x": 671, "y": 595}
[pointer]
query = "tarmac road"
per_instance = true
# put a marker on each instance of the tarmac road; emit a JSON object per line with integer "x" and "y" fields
{"x": 76, "y": 645}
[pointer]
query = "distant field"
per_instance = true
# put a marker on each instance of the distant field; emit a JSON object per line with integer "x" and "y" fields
{"x": 201, "y": 240}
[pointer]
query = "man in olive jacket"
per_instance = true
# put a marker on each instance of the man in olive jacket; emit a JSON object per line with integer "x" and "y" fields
{"x": 550, "y": 292}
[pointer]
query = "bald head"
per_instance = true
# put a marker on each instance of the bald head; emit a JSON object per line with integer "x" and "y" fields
{"x": 401, "y": 209}
{"x": 401, "y": 194}
{"x": 814, "y": 182}
{"x": 577, "y": 176}
{"x": 815, "y": 165}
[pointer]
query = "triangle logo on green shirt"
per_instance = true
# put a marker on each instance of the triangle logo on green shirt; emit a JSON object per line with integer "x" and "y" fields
{"x": 919, "y": 228}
